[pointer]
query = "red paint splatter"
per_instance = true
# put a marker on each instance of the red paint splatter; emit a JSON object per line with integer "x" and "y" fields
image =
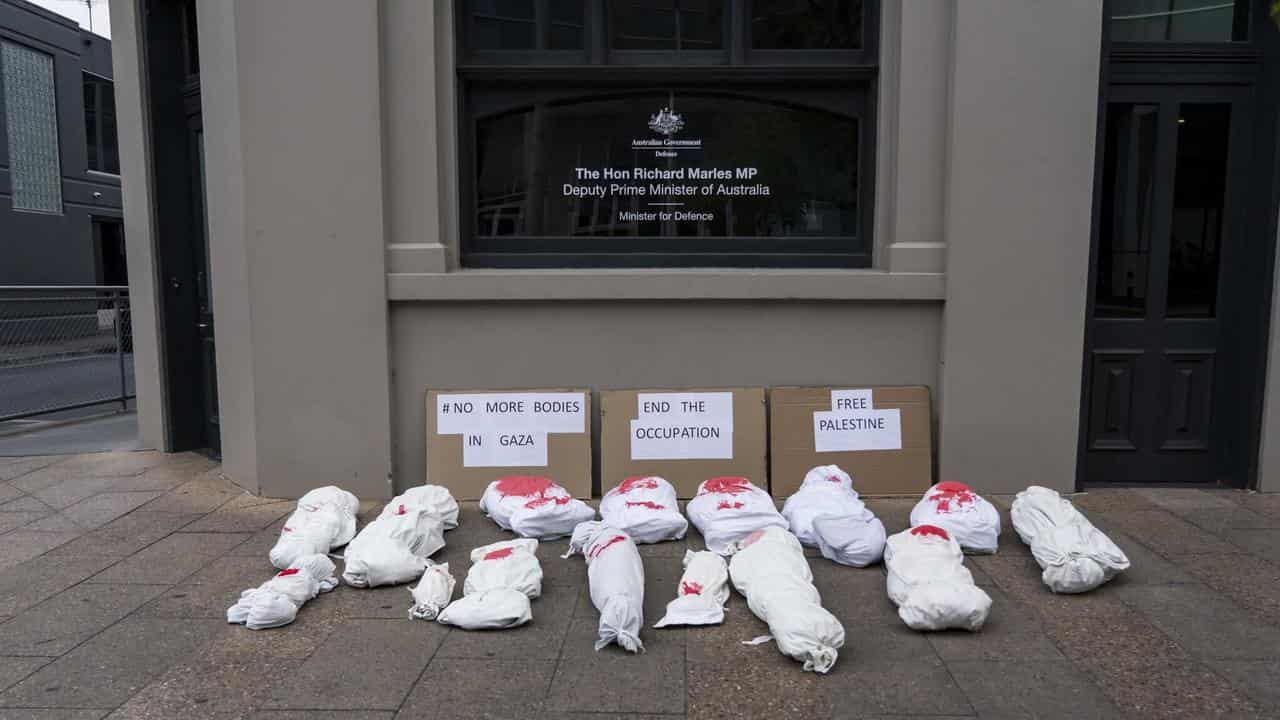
{"x": 726, "y": 505}
{"x": 287, "y": 573}
{"x": 523, "y": 485}
{"x": 934, "y": 530}
{"x": 498, "y": 554}
{"x": 401, "y": 510}
{"x": 637, "y": 482}
{"x": 834, "y": 478}
{"x": 595, "y": 551}
{"x": 689, "y": 587}
{"x": 752, "y": 538}
{"x": 726, "y": 486}
{"x": 644, "y": 504}
{"x": 286, "y": 528}
{"x": 542, "y": 499}
{"x": 944, "y": 493}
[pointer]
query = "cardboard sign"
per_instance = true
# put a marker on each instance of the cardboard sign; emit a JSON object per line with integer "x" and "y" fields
{"x": 685, "y": 436}
{"x": 475, "y": 437}
{"x": 882, "y": 436}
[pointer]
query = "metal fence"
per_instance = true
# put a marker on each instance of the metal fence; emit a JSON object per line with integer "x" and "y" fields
{"x": 64, "y": 348}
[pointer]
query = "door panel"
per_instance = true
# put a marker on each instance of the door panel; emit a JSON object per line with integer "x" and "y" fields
{"x": 1173, "y": 160}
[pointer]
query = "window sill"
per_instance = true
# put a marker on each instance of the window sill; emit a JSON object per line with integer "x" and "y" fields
{"x": 666, "y": 284}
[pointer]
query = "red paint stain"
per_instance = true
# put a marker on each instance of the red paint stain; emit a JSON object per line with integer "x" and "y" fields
{"x": 945, "y": 493}
{"x": 644, "y": 504}
{"x": 287, "y": 573}
{"x": 726, "y": 485}
{"x": 401, "y": 510}
{"x": 933, "y": 530}
{"x": 637, "y": 482}
{"x": 752, "y": 538}
{"x": 834, "y": 478}
{"x": 498, "y": 554}
{"x": 689, "y": 587}
{"x": 726, "y": 505}
{"x": 542, "y": 499}
{"x": 595, "y": 551}
{"x": 286, "y": 528}
{"x": 523, "y": 485}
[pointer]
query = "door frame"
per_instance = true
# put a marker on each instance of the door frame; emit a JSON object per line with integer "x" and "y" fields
{"x": 1254, "y": 64}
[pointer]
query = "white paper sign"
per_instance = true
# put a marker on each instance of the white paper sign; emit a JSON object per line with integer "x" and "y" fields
{"x": 842, "y": 431}
{"x": 457, "y": 413}
{"x": 683, "y": 426}
{"x": 518, "y": 448}
{"x": 851, "y": 400}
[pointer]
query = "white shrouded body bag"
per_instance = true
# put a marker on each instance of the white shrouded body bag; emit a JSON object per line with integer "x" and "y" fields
{"x": 728, "y": 509}
{"x": 965, "y": 515}
{"x": 1076, "y": 556}
{"x": 929, "y": 583}
{"x": 432, "y": 593}
{"x": 276, "y": 601}
{"x": 646, "y": 509}
{"x": 827, "y": 513}
{"x": 615, "y": 577}
{"x": 702, "y": 592}
{"x": 435, "y": 497}
{"x": 533, "y": 507}
{"x": 770, "y": 570}
{"x": 503, "y": 577}
{"x": 325, "y": 519}
{"x": 394, "y": 548}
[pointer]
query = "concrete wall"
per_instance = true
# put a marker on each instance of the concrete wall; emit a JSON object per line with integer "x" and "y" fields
{"x": 1269, "y": 449}
{"x": 647, "y": 344}
{"x": 1019, "y": 195}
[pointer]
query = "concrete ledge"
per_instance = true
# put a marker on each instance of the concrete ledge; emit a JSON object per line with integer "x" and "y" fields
{"x": 666, "y": 284}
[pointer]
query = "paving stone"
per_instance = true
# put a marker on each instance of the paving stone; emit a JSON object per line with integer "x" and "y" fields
{"x": 1259, "y": 679}
{"x": 854, "y": 593}
{"x": 127, "y": 534}
{"x": 111, "y": 667}
{"x": 56, "y": 522}
{"x": 69, "y": 492}
{"x": 1179, "y": 500}
{"x": 170, "y": 560}
{"x": 15, "y": 467}
{"x": 203, "y": 494}
{"x": 235, "y": 518}
{"x": 14, "y": 520}
{"x": 260, "y": 543}
{"x": 1205, "y": 623}
{"x": 1183, "y": 689}
{"x": 90, "y": 466}
{"x": 322, "y": 715}
{"x": 613, "y": 680}
{"x": 390, "y": 655}
{"x": 101, "y": 509}
{"x": 168, "y": 476}
{"x": 26, "y": 503}
{"x": 1145, "y": 566}
{"x": 1246, "y": 580}
{"x": 216, "y": 587}
{"x": 9, "y": 492}
{"x": 14, "y": 669}
{"x": 1108, "y": 499}
{"x": 1012, "y": 632}
{"x": 1262, "y": 503}
{"x": 53, "y": 714}
{"x": 1265, "y": 543}
{"x": 1218, "y": 520}
{"x": 67, "y": 619}
{"x": 467, "y": 688}
{"x": 540, "y": 639}
{"x": 21, "y": 545}
{"x": 1165, "y": 533}
{"x": 31, "y": 582}
{"x": 1041, "y": 688}
{"x": 894, "y": 513}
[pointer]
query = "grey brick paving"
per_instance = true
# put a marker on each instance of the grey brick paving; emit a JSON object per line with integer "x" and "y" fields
{"x": 116, "y": 571}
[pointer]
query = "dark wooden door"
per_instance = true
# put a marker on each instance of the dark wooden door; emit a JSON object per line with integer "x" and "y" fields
{"x": 1163, "y": 401}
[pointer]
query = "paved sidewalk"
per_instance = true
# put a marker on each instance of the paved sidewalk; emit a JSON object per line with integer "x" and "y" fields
{"x": 116, "y": 571}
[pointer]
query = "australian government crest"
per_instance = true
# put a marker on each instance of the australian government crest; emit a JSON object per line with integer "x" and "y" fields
{"x": 666, "y": 122}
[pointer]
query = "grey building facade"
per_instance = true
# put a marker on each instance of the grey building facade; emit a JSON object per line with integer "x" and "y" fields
{"x": 1061, "y": 217}
{"x": 60, "y": 200}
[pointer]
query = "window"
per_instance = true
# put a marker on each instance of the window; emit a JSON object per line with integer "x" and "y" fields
{"x": 1206, "y": 21}
{"x": 100, "y": 124}
{"x": 667, "y": 132}
{"x": 31, "y": 116}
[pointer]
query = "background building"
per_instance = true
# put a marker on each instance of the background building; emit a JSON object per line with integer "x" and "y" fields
{"x": 1059, "y": 216}
{"x": 60, "y": 209}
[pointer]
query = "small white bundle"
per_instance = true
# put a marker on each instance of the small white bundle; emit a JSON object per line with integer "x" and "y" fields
{"x": 770, "y": 570}
{"x": 615, "y": 577}
{"x": 1076, "y": 556}
{"x": 276, "y": 601}
{"x": 325, "y": 518}
{"x": 929, "y": 583}
{"x": 826, "y": 512}
{"x": 965, "y": 515}
{"x": 432, "y": 593}
{"x": 728, "y": 509}
{"x": 533, "y": 507}
{"x": 646, "y": 509}
{"x": 702, "y": 593}
{"x": 503, "y": 577}
{"x": 394, "y": 548}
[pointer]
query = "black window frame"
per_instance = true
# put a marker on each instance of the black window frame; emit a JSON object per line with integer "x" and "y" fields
{"x": 96, "y": 151}
{"x": 782, "y": 75}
